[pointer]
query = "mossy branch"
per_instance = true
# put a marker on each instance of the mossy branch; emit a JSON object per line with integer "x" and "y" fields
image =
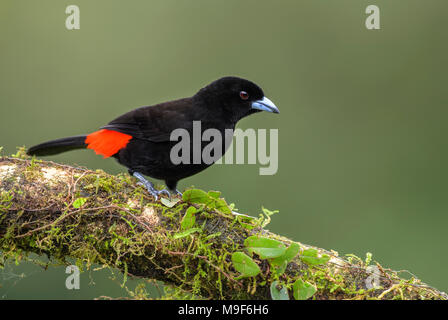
{"x": 96, "y": 218}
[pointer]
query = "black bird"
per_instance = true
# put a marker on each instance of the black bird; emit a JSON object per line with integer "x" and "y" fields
{"x": 140, "y": 139}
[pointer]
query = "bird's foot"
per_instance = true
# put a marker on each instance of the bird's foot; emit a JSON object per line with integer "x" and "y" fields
{"x": 154, "y": 192}
{"x": 177, "y": 193}
{"x": 150, "y": 186}
{"x": 173, "y": 193}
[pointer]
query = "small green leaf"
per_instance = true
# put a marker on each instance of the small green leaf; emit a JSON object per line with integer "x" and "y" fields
{"x": 196, "y": 196}
{"x": 186, "y": 233}
{"x": 310, "y": 256}
{"x": 247, "y": 226}
{"x": 189, "y": 219}
{"x": 214, "y": 194}
{"x": 303, "y": 290}
{"x": 265, "y": 247}
{"x": 279, "y": 294}
{"x": 292, "y": 251}
{"x": 279, "y": 266}
{"x": 210, "y": 199}
{"x": 168, "y": 203}
{"x": 78, "y": 203}
{"x": 289, "y": 254}
{"x": 244, "y": 265}
{"x": 221, "y": 205}
{"x": 280, "y": 263}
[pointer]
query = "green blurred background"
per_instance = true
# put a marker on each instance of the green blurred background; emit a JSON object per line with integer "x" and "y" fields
{"x": 362, "y": 129}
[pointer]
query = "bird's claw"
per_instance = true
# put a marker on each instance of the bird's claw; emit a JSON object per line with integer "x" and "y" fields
{"x": 169, "y": 193}
{"x": 150, "y": 187}
{"x": 151, "y": 190}
{"x": 164, "y": 191}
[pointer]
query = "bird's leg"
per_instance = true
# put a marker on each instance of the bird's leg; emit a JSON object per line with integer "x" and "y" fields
{"x": 172, "y": 186}
{"x": 150, "y": 186}
{"x": 177, "y": 192}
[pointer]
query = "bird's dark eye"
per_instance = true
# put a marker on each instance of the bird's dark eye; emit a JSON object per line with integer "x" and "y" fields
{"x": 244, "y": 95}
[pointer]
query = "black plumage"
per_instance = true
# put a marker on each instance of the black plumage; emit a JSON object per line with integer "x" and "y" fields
{"x": 220, "y": 105}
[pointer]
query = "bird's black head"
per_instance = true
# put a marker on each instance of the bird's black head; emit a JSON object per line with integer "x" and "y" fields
{"x": 235, "y": 97}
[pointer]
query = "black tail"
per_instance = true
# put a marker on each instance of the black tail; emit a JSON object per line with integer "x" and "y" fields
{"x": 58, "y": 146}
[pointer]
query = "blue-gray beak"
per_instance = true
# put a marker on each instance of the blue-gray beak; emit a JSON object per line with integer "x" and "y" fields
{"x": 265, "y": 105}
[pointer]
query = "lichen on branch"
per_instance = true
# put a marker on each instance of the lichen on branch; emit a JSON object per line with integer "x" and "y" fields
{"x": 195, "y": 244}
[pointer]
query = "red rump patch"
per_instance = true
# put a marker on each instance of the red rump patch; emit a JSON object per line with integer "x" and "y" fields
{"x": 107, "y": 142}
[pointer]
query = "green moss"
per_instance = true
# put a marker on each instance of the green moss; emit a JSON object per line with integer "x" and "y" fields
{"x": 119, "y": 226}
{"x": 21, "y": 153}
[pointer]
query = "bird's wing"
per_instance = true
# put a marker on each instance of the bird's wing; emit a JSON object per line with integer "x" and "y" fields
{"x": 154, "y": 123}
